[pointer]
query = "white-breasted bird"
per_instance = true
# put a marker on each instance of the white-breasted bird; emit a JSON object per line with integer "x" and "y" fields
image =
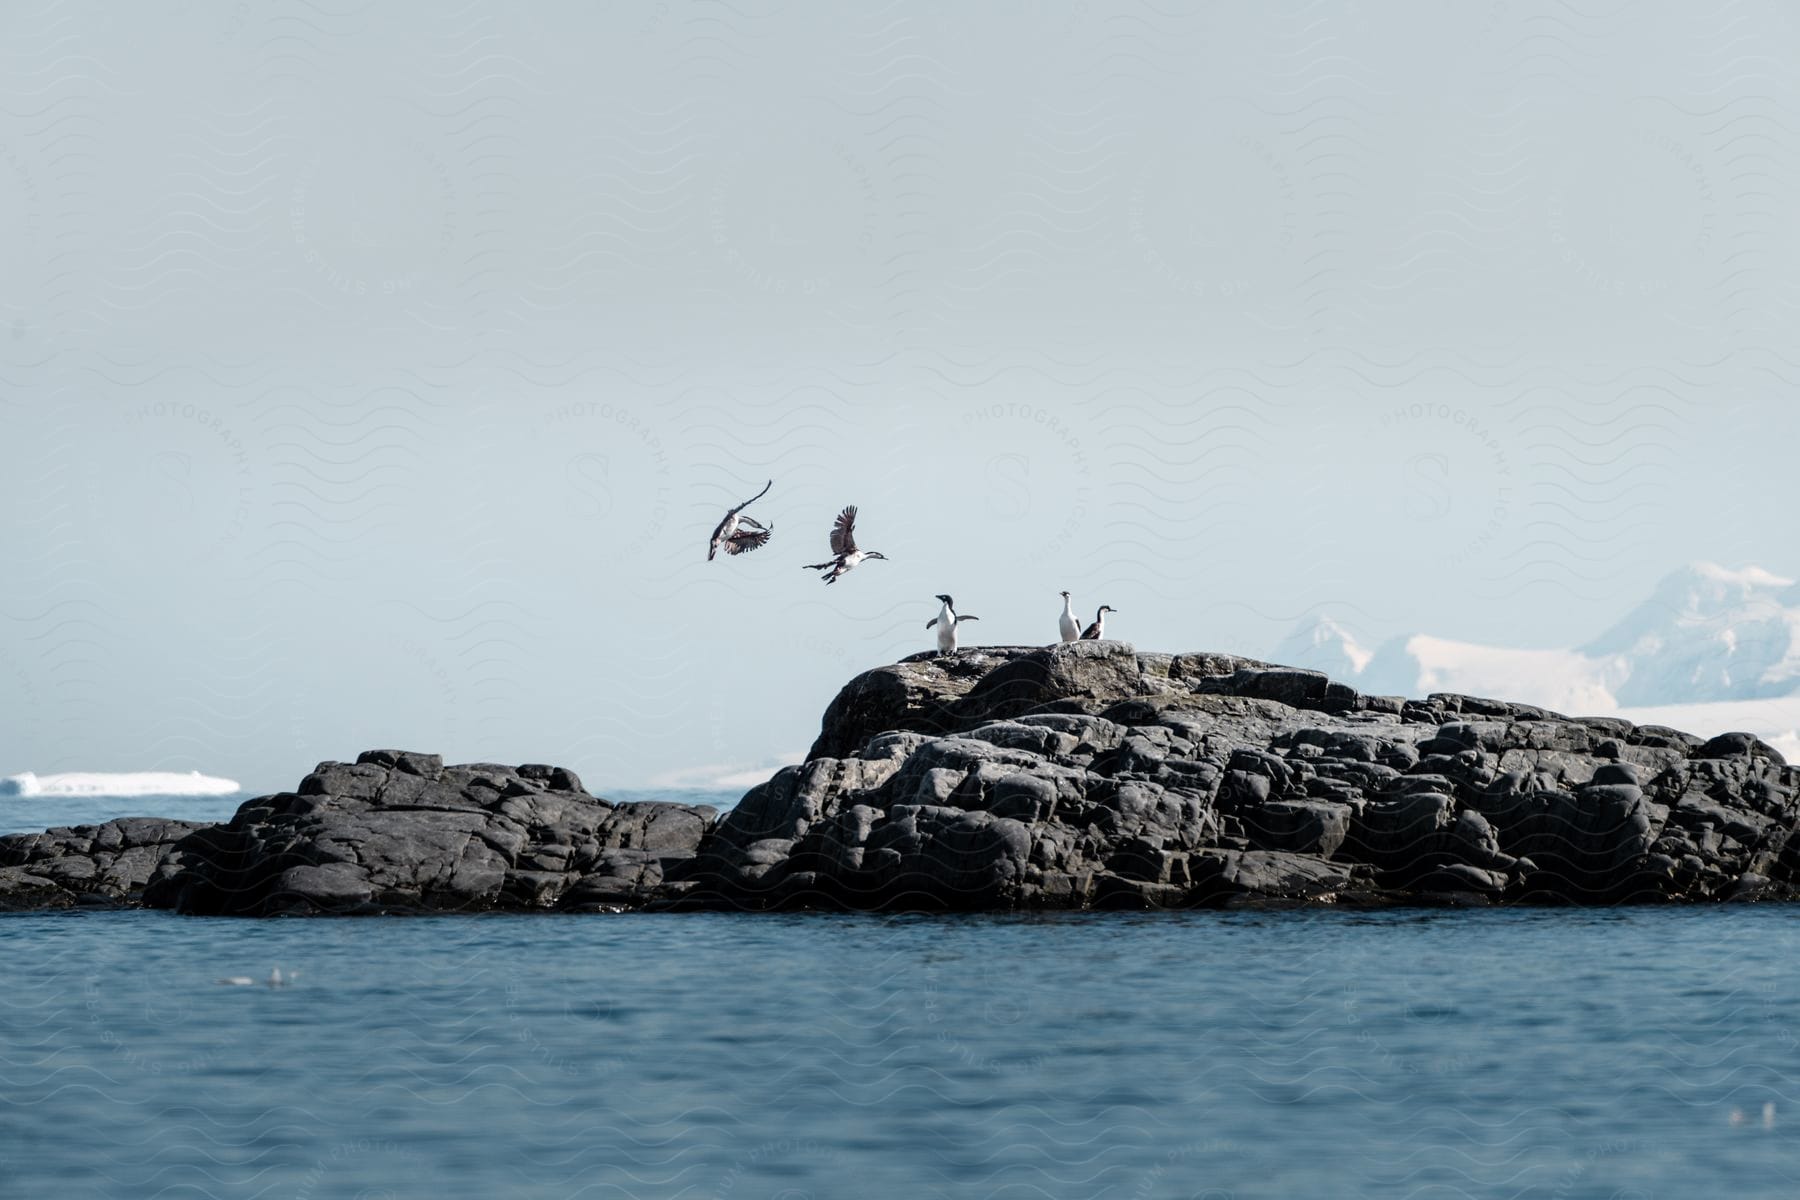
{"x": 1067, "y": 625}
{"x": 1097, "y": 630}
{"x": 738, "y": 534}
{"x": 843, "y": 547}
{"x": 947, "y": 620}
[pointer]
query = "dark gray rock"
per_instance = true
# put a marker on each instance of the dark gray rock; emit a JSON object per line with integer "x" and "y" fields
{"x": 1077, "y": 776}
{"x": 1091, "y": 775}
{"x": 105, "y": 864}
{"x": 401, "y": 832}
{"x": 1737, "y": 745}
{"x": 426, "y": 766}
{"x": 1230, "y": 876}
{"x": 1299, "y": 826}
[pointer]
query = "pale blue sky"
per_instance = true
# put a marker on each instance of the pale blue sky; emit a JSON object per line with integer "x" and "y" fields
{"x": 375, "y": 378}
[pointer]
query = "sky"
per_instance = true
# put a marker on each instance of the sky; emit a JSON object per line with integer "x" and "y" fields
{"x": 374, "y": 375}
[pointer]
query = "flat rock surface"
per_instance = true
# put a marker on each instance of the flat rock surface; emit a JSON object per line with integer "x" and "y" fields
{"x": 1080, "y": 776}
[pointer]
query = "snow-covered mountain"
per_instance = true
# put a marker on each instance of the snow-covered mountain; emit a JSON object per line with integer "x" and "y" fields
{"x": 1323, "y": 645}
{"x": 1706, "y": 634}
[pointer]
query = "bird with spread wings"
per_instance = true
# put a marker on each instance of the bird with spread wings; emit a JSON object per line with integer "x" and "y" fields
{"x": 844, "y": 553}
{"x": 739, "y": 534}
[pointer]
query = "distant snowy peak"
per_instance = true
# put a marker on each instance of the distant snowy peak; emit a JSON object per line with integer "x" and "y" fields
{"x": 1706, "y": 633}
{"x": 1324, "y": 645}
{"x": 1713, "y": 573}
{"x": 1700, "y": 592}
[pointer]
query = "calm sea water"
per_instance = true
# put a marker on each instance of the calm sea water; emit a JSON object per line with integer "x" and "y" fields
{"x": 1605, "y": 1054}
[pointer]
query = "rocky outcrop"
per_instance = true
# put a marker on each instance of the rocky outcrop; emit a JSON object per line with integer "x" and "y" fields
{"x": 931, "y": 694}
{"x": 1079, "y": 776}
{"x": 401, "y": 832}
{"x": 1092, "y": 775}
{"x": 87, "y": 865}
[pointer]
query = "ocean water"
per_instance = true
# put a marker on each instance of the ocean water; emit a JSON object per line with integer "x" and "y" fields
{"x": 1611, "y": 1054}
{"x": 1605, "y": 1054}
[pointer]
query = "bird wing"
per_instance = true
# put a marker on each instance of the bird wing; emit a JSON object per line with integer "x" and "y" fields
{"x": 746, "y": 541}
{"x": 755, "y": 498}
{"x": 843, "y": 532}
{"x": 961, "y": 617}
{"x": 1091, "y": 633}
{"x": 931, "y": 622}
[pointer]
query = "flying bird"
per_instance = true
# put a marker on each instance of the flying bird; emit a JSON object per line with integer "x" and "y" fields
{"x": 843, "y": 547}
{"x": 1067, "y": 625}
{"x": 947, "y": 620}
{"x": 738, "y": 534}
{"x": 1097, "y": 630}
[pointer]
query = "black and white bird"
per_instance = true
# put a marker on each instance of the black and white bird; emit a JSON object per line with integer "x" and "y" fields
{"x": 1067, "y": 625}
{"x": 740, "y": 534}
{"x": 1097, "y": 630}
{"x": 947, "y": 620}
{"x": 843, "y": 547}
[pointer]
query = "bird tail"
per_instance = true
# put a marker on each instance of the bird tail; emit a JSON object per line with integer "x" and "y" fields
{"x": 817, "y": 566}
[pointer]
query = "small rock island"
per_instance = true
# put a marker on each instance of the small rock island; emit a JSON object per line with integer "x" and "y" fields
{"x": 1078, "y": 776}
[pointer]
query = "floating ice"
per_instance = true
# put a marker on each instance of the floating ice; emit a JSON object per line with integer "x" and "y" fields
{"x": 120, "y": 783}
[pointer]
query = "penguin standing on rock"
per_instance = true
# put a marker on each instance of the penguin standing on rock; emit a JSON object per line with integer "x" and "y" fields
{"x": 947, "y": 620}
{"x": 1067, "y": 625}
{"x": 1097, "y": 630}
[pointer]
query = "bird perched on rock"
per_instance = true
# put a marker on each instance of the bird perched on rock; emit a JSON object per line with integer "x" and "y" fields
{"x": 739, "y": 534}
{"x": 843, "y": 547}
{"x": 1067, "y": 625}
{"x": 947, "y": 620}
{"x": 1097, "y": 630}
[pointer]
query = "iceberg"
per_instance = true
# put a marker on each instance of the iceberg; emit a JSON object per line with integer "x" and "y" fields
{"x": 120, "y": 783}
